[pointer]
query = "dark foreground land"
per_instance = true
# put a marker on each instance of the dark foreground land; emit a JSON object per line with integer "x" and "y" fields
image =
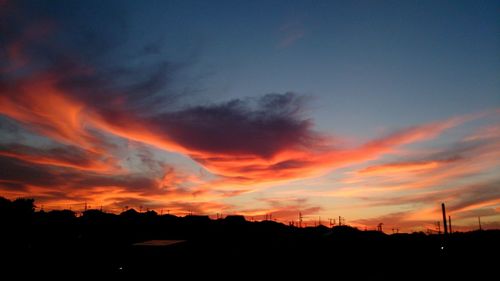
{"x": 59, "y": 245}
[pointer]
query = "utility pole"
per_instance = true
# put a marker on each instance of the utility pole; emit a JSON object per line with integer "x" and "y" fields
{"x": 444, "y": 219}
{"x": 300, "y": 220}
{"x": 340, "y": 220}
{"x": 479, "y": 220}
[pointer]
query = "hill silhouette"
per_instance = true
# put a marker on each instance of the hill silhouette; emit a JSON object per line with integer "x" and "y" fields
{"x": 58, "y": 244}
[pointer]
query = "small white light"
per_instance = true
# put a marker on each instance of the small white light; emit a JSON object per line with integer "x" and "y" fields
{"x": 120, "y": 268}
{"x": 442, "y": 248}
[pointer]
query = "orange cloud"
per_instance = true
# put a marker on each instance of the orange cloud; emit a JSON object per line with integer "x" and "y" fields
{"x": 41, "y": 106}
{"x": 44, "y": 107}
{"x": 71, "y": 157}
{"x": 476, "y": 153}
{"x": 235, "y": 140}
{"x": 399, "y": 167}
{"x": 302, "y": 163}
{"x": 487, "y": 203}
{"x": 426, "y": 218}
{"x": 406, "y": 167}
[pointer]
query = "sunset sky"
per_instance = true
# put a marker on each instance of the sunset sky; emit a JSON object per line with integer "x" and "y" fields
{"x": 376, "y": 111}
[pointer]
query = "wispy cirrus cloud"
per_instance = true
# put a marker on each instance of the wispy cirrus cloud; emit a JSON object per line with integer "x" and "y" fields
{"x": 61, "y": 156}
{"x": 60, "y": 187}
{"x": 290, "y": 33}
{"x": 474, "y": 154}
{"x": 402, "y": 167}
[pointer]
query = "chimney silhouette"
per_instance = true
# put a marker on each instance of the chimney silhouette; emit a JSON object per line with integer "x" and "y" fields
{"x": 444, "y": 219}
